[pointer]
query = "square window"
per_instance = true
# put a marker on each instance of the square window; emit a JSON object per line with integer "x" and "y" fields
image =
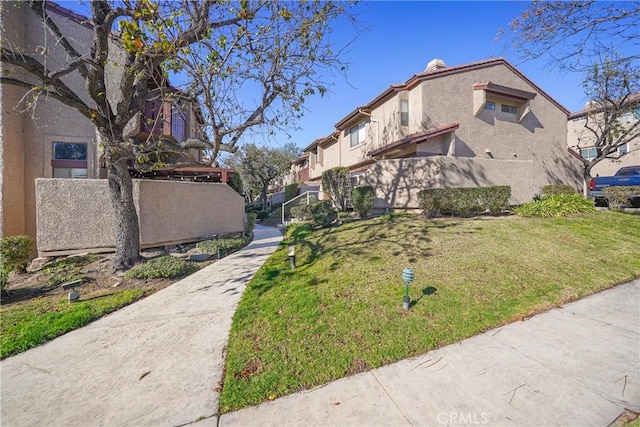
{"x": 490, "y": 106}
{"x": 509, "y": 109}
{"x": 589, "y": 153}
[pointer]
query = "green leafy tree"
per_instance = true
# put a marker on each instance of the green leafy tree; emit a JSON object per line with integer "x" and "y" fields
{"x": 276, "y": 51}
{"x": 335, "y": 182}
{"x": 260, "y": 166}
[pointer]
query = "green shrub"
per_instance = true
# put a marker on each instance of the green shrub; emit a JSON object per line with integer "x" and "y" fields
{"x": 291, "y": 191}
{"x": 251, "y": 222}
{"x": 163, "y": 267}
{"x": 362, "y": 199}
{"x": 495, "y": 199}
{"x": 335, "y": 183}
{"x": 464, "y": 201}
{"x": 225, "y": 245}
{"x": 262, "y": 215}
{"x": 323, "y": 213}
{"x": 14, "y": 251}
{"x": 14, "y": 255}
{"x": 619, "y": 197}
{"x": 302, "y": 212}
{"x": 550, "y": 190}
{"x": 557, "y": 205}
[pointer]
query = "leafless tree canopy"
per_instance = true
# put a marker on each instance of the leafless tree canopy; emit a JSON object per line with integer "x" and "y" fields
{"x": 572, "y": 34}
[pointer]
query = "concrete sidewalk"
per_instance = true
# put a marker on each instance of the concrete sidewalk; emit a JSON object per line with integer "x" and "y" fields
{"x": 155, "y": 362}
{"x": 577, "y": 365}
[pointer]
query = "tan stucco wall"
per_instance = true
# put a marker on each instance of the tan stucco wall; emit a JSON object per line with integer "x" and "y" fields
{"x": 27, "y": 137}
{"x": 579, "y": 137}
{"x": 77, "y": 214}
{"x": 397, "y": 182}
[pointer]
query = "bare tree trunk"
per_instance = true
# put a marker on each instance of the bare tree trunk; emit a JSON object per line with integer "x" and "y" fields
{"x": 263, "y": 194}
{"x": 586, "y": 178}
{"x": 127, "y": 228}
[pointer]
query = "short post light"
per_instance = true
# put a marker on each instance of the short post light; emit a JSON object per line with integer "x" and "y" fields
{"x": 292, "y": 256}
{"x": 407, "y": 276}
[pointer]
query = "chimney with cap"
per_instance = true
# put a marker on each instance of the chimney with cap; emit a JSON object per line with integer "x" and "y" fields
{"x": 435, "y": 65}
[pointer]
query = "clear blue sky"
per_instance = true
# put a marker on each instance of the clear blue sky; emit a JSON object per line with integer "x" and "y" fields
{"x": 399, "y": 38}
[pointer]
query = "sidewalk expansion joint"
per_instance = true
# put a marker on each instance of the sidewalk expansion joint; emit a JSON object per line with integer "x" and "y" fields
{"x": 392, "y": 399}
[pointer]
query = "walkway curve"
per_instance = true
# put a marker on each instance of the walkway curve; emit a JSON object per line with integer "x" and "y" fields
{"x": 156, "y": 362}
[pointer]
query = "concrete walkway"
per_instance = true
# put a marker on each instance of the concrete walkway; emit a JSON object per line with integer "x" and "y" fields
{"x": 578, "y": 365}
{"x": 156, "y": 362}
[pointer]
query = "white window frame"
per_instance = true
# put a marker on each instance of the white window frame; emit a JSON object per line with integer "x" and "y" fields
{"x": 592, "y": 153}
{"x": 357, "y": 134}
{"x": 404, "y": 112}
{"x": 623, "y": 149}
{"x": 490, "y": 105}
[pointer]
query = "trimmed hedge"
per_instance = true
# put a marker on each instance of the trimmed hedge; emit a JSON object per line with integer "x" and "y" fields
{"x": 251, "y": 222}
{"x": 556, "y": 206}
{"x": 362, "y": 199}
{"x": 621, "y": 196}
{"x": 550, "y": 190}
{"x": 464, "y": 201}
{"x": 323, "y": 213}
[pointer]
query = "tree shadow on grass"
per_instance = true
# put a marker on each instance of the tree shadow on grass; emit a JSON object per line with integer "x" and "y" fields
{"x": 408, "y": 240}
{"x": 429, "y": 290}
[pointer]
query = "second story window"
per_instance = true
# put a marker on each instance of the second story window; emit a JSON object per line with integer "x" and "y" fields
{"x": 404, "y": 112}
{"x": 509, "y": 109}
{"x": 490, "y": 106}
{"x": 589, "y": 153}
{"x": 623, "y": 149}
{"x": 357, "y": 135}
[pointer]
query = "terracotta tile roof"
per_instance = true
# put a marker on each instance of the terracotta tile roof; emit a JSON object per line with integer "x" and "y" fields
{"x": 322, "y": 141}
{"x": 300, "y": 159}
{"x": 633, "y": 99}
{"x": 509, "y": 92}
{"x": 416, "y": 138}
{"x": 434, "y": 74}
{"x": 70, "y": 14}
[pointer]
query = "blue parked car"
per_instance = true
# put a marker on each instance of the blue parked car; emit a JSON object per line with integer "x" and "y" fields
{"x": 627, "y": 176}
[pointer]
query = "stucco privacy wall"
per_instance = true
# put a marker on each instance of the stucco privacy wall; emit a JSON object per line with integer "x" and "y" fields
{"x": 76, "y": 214}
{"x": 397, "y": 182}
{"x": 27, "y": 138}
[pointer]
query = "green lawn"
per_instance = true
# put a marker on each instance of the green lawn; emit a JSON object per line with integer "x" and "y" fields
{"x": 341, "y": 311}
{"x": 35, "y": 322}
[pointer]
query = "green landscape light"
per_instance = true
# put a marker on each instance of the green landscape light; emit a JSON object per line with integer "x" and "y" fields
{"x": 407, "y": 276}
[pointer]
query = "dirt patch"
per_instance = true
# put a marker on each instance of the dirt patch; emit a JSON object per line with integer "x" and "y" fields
{"x": 97, "y": 280}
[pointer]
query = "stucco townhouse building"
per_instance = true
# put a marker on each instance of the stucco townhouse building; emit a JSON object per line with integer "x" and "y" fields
{"x": 581, "y": 140}
{"x": 54, "y": 140}
{"x": 478, "y": 124}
